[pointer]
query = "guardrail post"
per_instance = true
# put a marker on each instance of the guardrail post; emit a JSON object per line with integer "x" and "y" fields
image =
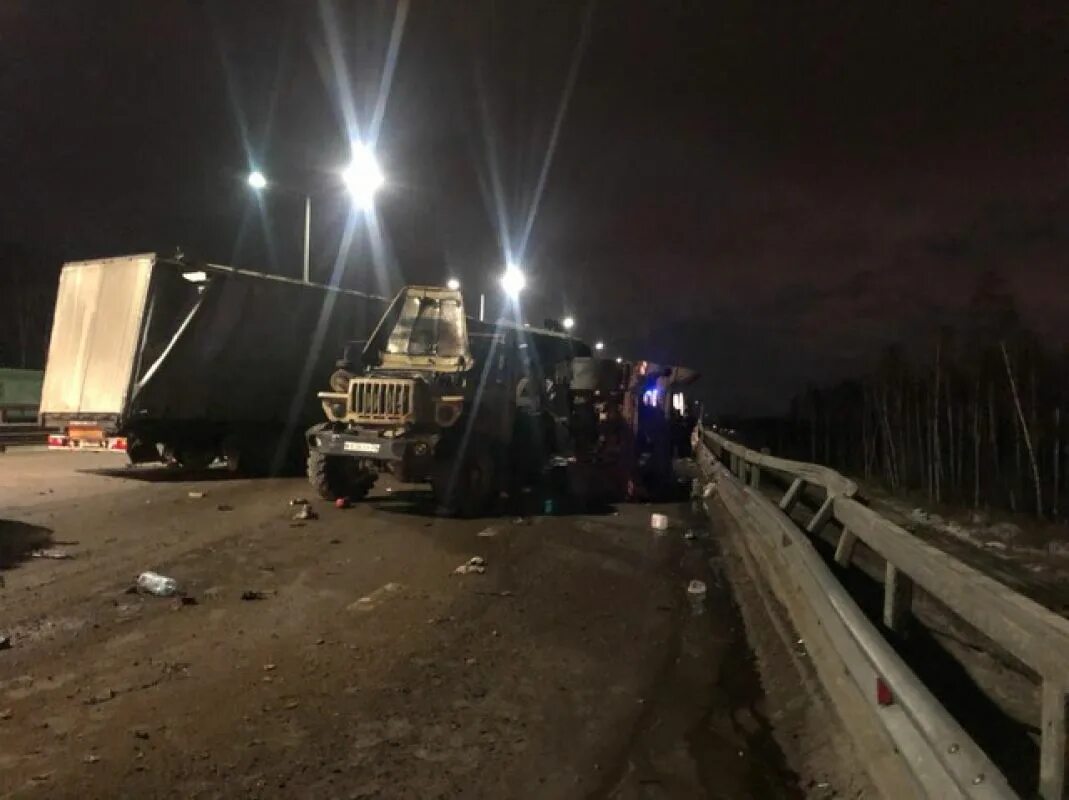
{"x": 820, "y": 519}
{"x": 789, "y": 499}
{"x": 844, "y": 550}
{"x": 755, "y": 476}
{"x": 1052, "y": 748}
{"x": 897, "y": 597}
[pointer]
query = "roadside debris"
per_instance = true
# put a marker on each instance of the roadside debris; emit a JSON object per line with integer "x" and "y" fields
{"x": 53, "y": 554}
{"x": 696, "y": 594}
{"x": 690, "y": 535}
{"x": 298, "y": 501}
{"x": 156, "y": 584}
{"x": 341, "y": 502}
{"x": 101, "y": 697}
{"x": 196, "y": 495}
{"x": 224, "y": 507}
{"x": 254, "y": 594}
{"x": 5, "y": 642}
{"x": 305, "y": 512}
{"x": 475, "y": 565}
{"x": 487, "y": 533}
{"x": 91, "y": 759}
{"x": 659, "y": 522}
{"x": 5, "y": 714}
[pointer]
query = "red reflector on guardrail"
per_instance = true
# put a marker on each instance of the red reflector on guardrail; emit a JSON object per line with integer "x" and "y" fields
{"x": 883, "y": 693}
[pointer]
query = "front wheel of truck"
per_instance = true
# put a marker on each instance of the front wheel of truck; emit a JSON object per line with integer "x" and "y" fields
{"x": 339, "y": 476}
{"x": 464, "y": 483}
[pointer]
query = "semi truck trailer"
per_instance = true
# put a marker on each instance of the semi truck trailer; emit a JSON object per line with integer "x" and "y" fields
{"x": 186, "y": 363}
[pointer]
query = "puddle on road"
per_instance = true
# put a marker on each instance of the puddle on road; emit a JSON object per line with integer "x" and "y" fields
{"x": 733, "y": 737}
{"x": 705, "y": 732}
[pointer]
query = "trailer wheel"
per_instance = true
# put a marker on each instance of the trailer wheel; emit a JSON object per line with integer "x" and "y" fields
{"x": 339, "y": 476}
{"x": 463, "y": 484}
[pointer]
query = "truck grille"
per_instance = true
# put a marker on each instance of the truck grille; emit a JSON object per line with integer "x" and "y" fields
{"x": 381, "y": 399}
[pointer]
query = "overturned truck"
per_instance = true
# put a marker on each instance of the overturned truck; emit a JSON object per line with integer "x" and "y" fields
{"x": 480, "y": 410}
{"x": 186, "y": 363}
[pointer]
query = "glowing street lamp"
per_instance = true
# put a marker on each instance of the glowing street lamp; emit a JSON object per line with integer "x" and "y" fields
{"x": 453, "y": 285}
{"x": 363, "y": 177}
{"x": 568, "y": 323}
{"x": 513, "y": 281}
{"x": 258, "y": 182}
{"x": 599, "y": 346}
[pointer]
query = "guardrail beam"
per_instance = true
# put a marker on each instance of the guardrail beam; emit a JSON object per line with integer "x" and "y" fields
{"x": 820, "y": 519}
{"x": 1052, "y": 747}
{"x": 897, "y": 598}
{"x": 788, "y": 500}
{"x": 844, "y": 550}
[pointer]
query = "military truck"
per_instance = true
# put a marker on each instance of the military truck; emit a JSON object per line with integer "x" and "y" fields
{"x": 479, "y": 410}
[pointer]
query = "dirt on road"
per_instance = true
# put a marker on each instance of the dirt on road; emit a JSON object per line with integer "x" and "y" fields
{"x": 343, "y": 657}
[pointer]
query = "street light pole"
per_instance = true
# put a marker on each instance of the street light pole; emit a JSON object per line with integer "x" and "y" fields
{"x": 307, "y": 234}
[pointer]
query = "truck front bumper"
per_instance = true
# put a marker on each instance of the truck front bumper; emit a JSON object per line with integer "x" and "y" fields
{"x": 409, "y": 457}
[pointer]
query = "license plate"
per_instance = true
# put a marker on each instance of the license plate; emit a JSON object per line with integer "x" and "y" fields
{"x": 362, "y": 447}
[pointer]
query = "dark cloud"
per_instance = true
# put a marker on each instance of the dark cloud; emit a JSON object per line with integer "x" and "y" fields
{"x": 771, "y": 194}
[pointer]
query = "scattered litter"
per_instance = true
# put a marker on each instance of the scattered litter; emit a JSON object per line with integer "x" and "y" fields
{"x": 298, "y": 501}
{"x": 305, "y": 512}
{"x": 291, "y": 704}
{"x": 5, "y": 714}
{"x": 488, "y": 533}
{"x": 224, "y": 507}
{"x": 196, "y": 495}
{"x": 54, "y": 554}
{"x": 696, "y": 588}
{"x": 521, "y": 521}
{"x": 993, "y": 545}
{"x": 156, "y": 584}
{"x": 389, "y": 490}
{"x": 269, "y": 667}
{"x": 139, "y": 732}
{"x": 659, "y": 522}
{"x": 91, "y": 759}
{"x": 341, "y": 502}
{"x": 5, "y": 642}
{"x": 253, "y": 594}
{"x": 690, "y": 534}
{"x": 475, "y": 565}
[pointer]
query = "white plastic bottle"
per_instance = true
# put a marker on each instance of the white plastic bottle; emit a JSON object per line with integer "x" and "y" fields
{"x": 159, "y": 585}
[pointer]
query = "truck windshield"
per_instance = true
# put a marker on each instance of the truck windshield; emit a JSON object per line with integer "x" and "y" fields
{"x": 428, "y": 327}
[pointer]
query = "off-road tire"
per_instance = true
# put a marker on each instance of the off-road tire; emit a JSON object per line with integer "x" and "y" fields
{"x": 339, "y": 476}
{"x": 464, "y": 487}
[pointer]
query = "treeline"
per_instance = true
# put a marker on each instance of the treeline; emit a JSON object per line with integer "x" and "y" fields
{"x": 28, "y": 282}
{"x": 977, "y": 419}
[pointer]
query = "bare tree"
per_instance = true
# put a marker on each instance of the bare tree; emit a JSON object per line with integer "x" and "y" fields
{"x": 1023, "y": 427}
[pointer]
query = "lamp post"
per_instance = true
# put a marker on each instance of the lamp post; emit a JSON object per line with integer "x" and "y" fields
{"x": 363, "y": 178}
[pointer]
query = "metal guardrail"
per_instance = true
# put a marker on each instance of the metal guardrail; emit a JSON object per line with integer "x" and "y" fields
{"x": 1033, "y": 634}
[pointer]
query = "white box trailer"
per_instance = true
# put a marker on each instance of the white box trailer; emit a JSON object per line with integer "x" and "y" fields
{"x": 186, "y": 362}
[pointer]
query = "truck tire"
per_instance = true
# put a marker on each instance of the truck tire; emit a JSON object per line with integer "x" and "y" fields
{"x": 464, "y": 484}
{"x": 338, "y": 476}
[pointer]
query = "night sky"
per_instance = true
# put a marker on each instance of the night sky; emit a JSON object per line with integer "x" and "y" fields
{"x": 770, "y": 192}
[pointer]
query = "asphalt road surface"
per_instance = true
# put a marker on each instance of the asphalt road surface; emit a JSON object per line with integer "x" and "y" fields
{"x": 575, "y": 666}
